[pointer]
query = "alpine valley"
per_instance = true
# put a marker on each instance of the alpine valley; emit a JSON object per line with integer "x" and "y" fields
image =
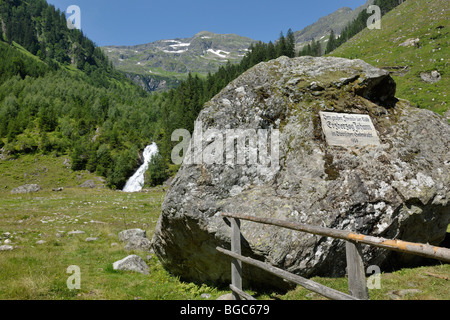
{"x": 86, "y": 154}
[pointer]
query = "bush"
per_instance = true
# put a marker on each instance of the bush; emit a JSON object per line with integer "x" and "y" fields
{"x": 78, "y": 158}
{"x": 157, "y": 171}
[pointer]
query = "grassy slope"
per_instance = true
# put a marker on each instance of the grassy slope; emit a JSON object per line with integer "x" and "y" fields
{"x": 47, "y": 171}
{"x": 39, "y": 271}
{"x": 412, "y": 19}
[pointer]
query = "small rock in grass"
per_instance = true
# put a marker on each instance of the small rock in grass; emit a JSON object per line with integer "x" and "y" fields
{"x": 75, "y": 232}
{"x": 399, "y": 294}
{"x": 132, "y": 263}
{"x": 130, "y": 233}
{"x": 226, "y": 296}
{"x": 138, "y": 243}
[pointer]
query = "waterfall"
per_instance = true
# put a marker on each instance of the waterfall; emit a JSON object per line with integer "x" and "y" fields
{"x": 136, "y": 182}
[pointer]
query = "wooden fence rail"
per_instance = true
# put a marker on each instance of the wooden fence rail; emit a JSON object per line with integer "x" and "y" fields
{"x": 355, "y": 266}
{"x": 308, "y": 284}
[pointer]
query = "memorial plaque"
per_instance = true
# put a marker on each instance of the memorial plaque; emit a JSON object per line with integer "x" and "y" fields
{"x": 348, "y": 129}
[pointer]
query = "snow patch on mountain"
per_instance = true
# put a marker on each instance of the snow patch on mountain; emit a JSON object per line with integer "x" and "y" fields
{"x": 219, "y": 53}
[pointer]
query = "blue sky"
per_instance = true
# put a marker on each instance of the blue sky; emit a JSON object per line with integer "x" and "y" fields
{"x": 131, "y": 22}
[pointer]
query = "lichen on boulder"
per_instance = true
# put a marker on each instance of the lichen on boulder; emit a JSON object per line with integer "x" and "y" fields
{"x": 398, "y": 189}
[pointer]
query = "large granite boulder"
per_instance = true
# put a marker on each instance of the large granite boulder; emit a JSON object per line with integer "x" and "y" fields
{"x": 396, "y": 187}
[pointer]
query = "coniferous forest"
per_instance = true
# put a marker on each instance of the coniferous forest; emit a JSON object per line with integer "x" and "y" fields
{"x": 59, "y": 94}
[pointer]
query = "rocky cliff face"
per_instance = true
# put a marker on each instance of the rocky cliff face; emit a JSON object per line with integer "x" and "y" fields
{"x": 153, "y": 83}
{"x": 396, "y": 188}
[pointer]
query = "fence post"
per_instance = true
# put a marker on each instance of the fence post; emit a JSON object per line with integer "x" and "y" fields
{"x": 357, "y": 285}
{"x": 236, "y": 265}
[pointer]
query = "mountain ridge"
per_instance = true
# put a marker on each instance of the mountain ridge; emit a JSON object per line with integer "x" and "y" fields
{"x": 161, "y": 64}
{"x": 202, "y": 53}
{"x": 335, "y": 21}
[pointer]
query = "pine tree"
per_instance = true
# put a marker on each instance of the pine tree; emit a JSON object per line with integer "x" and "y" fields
{"x": 318, "y": 49}
{"x": 331, "y": 45}
{"x": 156, "y": 173}
{"x": 271, "y": 52}
{"x": 314, "y": 48}
{"x": 281, "y": 45}
{"x": 78, "y": 157}
{"x": 45, "y": 144}
{"x": 290, "y": 44}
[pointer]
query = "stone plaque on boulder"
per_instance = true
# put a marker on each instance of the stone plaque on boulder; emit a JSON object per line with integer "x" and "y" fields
{"x": 348, "y": 129}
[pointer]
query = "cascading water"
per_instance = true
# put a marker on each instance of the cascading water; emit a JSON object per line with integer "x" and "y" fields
{"x": 135, "y": 183}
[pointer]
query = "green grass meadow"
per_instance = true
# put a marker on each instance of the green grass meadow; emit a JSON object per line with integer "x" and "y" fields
{"x": 39, "y": 271}
{"x": 33, "y": 271}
